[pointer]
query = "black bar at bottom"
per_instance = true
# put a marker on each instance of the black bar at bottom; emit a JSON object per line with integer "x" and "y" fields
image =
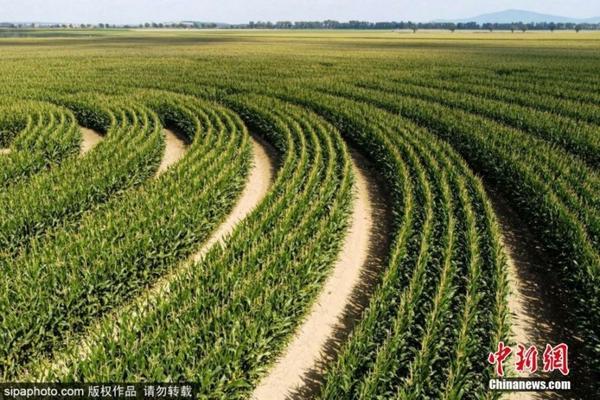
{"x": 88, "y": 391}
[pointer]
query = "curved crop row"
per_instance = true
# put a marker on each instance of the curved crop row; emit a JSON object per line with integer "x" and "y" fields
{"x": 238, "y": 305}
{"x": 14, "y": 118}
{"x": 126, "y": 158}
{"x": 444, "y": 232}
{"x": 578, "y": 138}
{"x": 555, "y": 193}
{"x": 580, "y": 92}
{"x": 118, "y": 249}
{"x": 39, "y": 135}
{"x": 569, "y": 108}
{"x": 573, "y": 183}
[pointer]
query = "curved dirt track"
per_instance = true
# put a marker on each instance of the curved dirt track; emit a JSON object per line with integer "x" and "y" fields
{"x": 257, "y": 186}
{"x": 301, "y": 365}
{"x": 90, "y": 138}
{"x": 262, "y": 175}
{"x": 175, "y": 148}
{"x": 260, "y": 179}
{"x": 534, "y": 302}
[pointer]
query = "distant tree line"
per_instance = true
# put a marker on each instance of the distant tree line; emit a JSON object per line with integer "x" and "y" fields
{"x": 415, "y": 26}
{"x": 329, "y": 24}
{"x": 164, "y": 25}
{"x": 43, "y": 25}
{"x": 153, "y": 25}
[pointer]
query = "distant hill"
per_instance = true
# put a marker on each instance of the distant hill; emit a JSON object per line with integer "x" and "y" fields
{"x": 508, "y": 16}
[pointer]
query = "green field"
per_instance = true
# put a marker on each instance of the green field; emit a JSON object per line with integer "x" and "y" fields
{"x": 447, "y": 122}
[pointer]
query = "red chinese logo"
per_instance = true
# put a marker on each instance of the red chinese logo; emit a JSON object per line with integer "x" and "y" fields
{"x": 554, "y": 358}
{"x": 557, "y": 358}
{"x": 498, "y": 357}
{"x": 526, "y": 359}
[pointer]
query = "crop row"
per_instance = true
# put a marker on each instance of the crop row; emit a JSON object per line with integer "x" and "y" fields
{"x": 555, "y": 192}
{"x": 125, "y": 159}
{"x": 39, "y": 135}
{"x": 576, "y": 137}
{"x": 443, "y": 286}
{"x": 122, "y": 246}
{"x": 223, "y": 320}
{"x": 569, "y": 108}
{"x": 575, "y": 89}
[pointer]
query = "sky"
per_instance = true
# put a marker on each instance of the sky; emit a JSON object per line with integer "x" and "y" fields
{"x": 238, "y": 11}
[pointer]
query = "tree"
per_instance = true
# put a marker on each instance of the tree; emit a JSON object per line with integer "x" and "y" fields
{"x": 283, "y": 25}
{"x": 393, "y": 25}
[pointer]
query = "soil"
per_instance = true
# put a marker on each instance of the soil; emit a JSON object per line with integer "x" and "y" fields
{"x": 259, "y": 181}
{"x": 175, "y": 148}
{"x": 536, "y": 301}
{"x": 90, "y": 138}
{"x": 298, "y": 372}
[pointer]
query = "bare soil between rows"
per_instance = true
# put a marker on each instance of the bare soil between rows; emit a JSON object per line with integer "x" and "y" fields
{"x": 260, "y": 180}
{"x": 537, "y": 302}
{"x": 298, "y": 373}
{"x": 176, "y": 146}
{"x": 90, "y": 139}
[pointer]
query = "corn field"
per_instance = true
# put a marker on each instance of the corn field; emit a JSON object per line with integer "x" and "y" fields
{"x": 86, "y": 238}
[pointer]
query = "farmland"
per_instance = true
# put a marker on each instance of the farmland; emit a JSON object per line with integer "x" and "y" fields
{"x": 386, "y": 160}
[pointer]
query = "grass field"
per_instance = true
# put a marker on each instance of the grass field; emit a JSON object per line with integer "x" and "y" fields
{"x": 471, "y": 158}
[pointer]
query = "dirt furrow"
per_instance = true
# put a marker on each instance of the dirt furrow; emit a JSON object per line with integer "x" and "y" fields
{"x": 536, "y": 301}
{"x": 297, "y": 373}
{"x": 257, "y": 186}
{"x": 90, "y": 139}
{"x": 175, "y": 148}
